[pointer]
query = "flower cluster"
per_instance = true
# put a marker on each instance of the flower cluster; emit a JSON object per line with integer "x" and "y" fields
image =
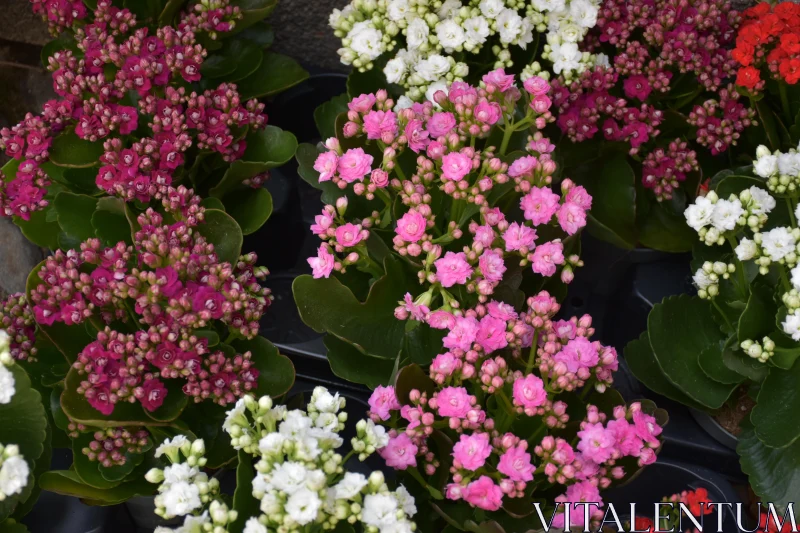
{"x": 486, "y": 357}
{"x": 146, "y": 143}
{"x": 16, "y": 318}
{"x": 211, "y": 17}
{"x": 300, "y": 479}
{"x": 768, "y": 44}
{"x": 14, "y": 471}
{"x": 655, "y": 49}
{"x": 110, "y": 446}
{"x": 448, "y": 162}
{"x": 169, "y": 284}
{"x": 434, "y": 34}
{"x": 718, "y": 221}
{"x": 60, "y": 14}
{"x": 7, "y": 382}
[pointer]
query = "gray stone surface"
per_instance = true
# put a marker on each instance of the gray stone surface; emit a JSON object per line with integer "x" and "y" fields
{"x": 17, "y": 258}
{"x": 20, "y": 24}
{"x": 302, "y": 31}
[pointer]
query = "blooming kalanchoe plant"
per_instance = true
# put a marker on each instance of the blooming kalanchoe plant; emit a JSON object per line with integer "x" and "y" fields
{"x": 424, "y": 39}
{"x": 300, "y": 481}
{"x": 502, "y": 370}
{"x": 169, "y": 284}
{"x": 16, "y": 319}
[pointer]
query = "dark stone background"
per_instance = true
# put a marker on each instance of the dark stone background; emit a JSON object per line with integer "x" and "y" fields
{"x": 301, "y": 31}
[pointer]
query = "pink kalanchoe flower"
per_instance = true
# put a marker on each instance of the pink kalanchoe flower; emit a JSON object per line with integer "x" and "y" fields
{"x": 411, "y": 227}
{"x": 539, "y": 205}
{"x": 524, "y": 166}
{"x": 400, "y": 452}
{"x": 500, "y": 79}
{"x": 416, "y": 311}
{"x": 322, "y": 223}
{"x": 491, "y": 334}
{"x": 529, "y": 392}
{"x": 491, "y": 265}
{"x": 462, "y": 334}
{"x": 516, "y": 464}
{"x": 453, "y": 402}
{"x": 354, "y": 164}
{"x": 440, "y": 124}
{"x": 579, "y": 196}
{"x": 484, "y": 235}
{"x": 380, "y": 125}
{"x": 362, "y": 103}
{"x": 444, "y": 363}
{"x": 579, "y": 353}
{"x": 646, "y": 427}
{"x": 536, "y": 85}
{"x": 546, "y": 256}
{"x": 488, "y": 112}
{"x": 596, "y": 443}
{"x": 583, "y": 491}
{"x": 519, "y": 236}
{"x": 452, "y": 269}
{"x": 416, "y": 135}
{"x": 471, "y": 451}
{"x": 541, "y": 103}
{"x": 627, "y": 442}
{"x": 571, "y": 217}
{"x": 349, "y": 235}
{"x": 326, "y": 165}
{"x": 455, "y": 166}
{"x": 441, "y": 320}
{"x": 322, "y": 265}
{"x": 153, "y": 394}
{"x": 501, "y": 310}
{"x": 483, "y": 494}
{"x": 637, "y": 87}
{"x": 383, "y": 401}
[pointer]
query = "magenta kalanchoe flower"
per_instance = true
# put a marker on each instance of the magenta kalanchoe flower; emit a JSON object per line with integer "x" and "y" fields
{"x": 170, "y": 284}
{"x": 16, "y": 318}
{"x": 158, "y": 66}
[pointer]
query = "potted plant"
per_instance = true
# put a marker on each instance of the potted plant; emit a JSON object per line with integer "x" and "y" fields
{"x": 731, "y": 349}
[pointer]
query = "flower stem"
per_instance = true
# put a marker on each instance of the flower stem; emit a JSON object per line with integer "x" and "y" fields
{"x": 724, "y": 316}
{"x": 790, "y": 205}
{"x": 506, "y": 402}
{"x": 507, "y": 133}
{"x": 739, "y": 267}
{"x": 784, "y": 278}
{"x": 532, "y": 354}
{"x": 787, "y": 109}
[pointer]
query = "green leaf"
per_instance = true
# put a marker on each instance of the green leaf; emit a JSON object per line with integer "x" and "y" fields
{"x": 642, "y": 362}
{"x": 221, "y": 230}
{"x": 774, "y": 474}
{"x": 276, "y": 371}
{"x": 75, "y": 214}
{"x": 68, "y": 483}
{"x": 213, "y": 203}
{"x": 778, "y": 402}
{"x": 253, "y": 11}
{"x": 262, "y": 34}
{"x": 82, "y": 180}
{"x": 711, "y": 361}
{"x": 243, "y": 501}
{"x": 39, "y": 230}
{"x": 743, "y": 364}
{"x": 266, "y": 149}
{"x": 23, "y": 421}
{"x": 613, "y": 212}
{"x": 237, "y": 59}
{"x": 409, "y": 378}
{"x": 110, "y": 222}
{"x": 250, "y": 208}
{"x": 326, "y": 305}
{"x": 758, "y": 319}
{"x": 69, "y": 150}
{"x": 39, "y": 467}
{"x": 680, "y": 328}
{"x": 145, "y": 10}
{"x": 172, "y": 8}
{"x": 12, "y": 526}
{"x": 88, "y": 471}
{"x": 350, "y": 364}
{"x": 664, "y": 230}
{"x": 325, "y": 115}
{"x": 276, "y": 73}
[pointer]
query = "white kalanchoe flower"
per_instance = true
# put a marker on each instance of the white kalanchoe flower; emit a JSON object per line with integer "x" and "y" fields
{"x": 406, "y": 501}
{"x": 778, "y": 243}
{"x": 417, "y": 34}
{"x": 476, "y": 30}
{"x": 789, "y": 164}
{"x": 726, "y": 214}
{"x": 698, "y": 215}
{"x": 254, "y": 526}
{"x": 303, "y": 506}
{"x": 179, "y": 473}
{"x": 380, "y": 510}
{"x": 395, "y": 70}
{"x": 450, "y": 34}
{"x": 350, "y": 485}
{"x": 7, "y": 385}
{"x": 762, "y": 201}
{"x": 14, "y": 471}
{"x": 746, "y": 249}
{"x": 171, "y": 447}
{"x": 180, "y": 499}
{"x": 791, "y": 325}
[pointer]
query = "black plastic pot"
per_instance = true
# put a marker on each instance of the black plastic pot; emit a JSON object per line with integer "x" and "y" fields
{"x": 142, "y": 510}
{"x": 665, "y": 478}
{"x": 714, "y": 429}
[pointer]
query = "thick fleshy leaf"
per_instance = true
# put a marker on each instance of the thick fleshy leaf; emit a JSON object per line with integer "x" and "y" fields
{"x": 23, "y": 421}
{"x": 88, "y": 471}
{"x": 350, "y": 364}
{"x": 276, "y": 73}
{"x": 711, "y": 361}
{"x": 39, "y": 230}
{"x": 266, "y": 149}
{"x": 743, "y": 364}
{"x": 664, "y": 230}
{"x": 110, "y": 222}
{"x": 69, "y": 150}
{"x": 172, "y": 8}
{"x": 68, "y": 483}
{"x": 326, "y": 305}
{"x": 237, "y": 59}
{"x": 774, "y": 473}
{"x": 680, "y": 328}
{"x": 276, "y": 371}
{"x": 146, "y": 11}
{"x": 221, "y": 230}
{"x": 253, "y": 11}
{"x": 409, "y": 378}
{"x": 243, "y": 501}
{"x": 613, "y": 214}
{"x": 250, "y": 208}
{"x": 206, "y": 419}
{"x": 12, "y": 526}
{"x": 758, "y": 320}
{"x": 75, "y": 214}
{"x": 778, "y": 402}
{"x": 81, "y": 180}
{"x": 325, "y": 115}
